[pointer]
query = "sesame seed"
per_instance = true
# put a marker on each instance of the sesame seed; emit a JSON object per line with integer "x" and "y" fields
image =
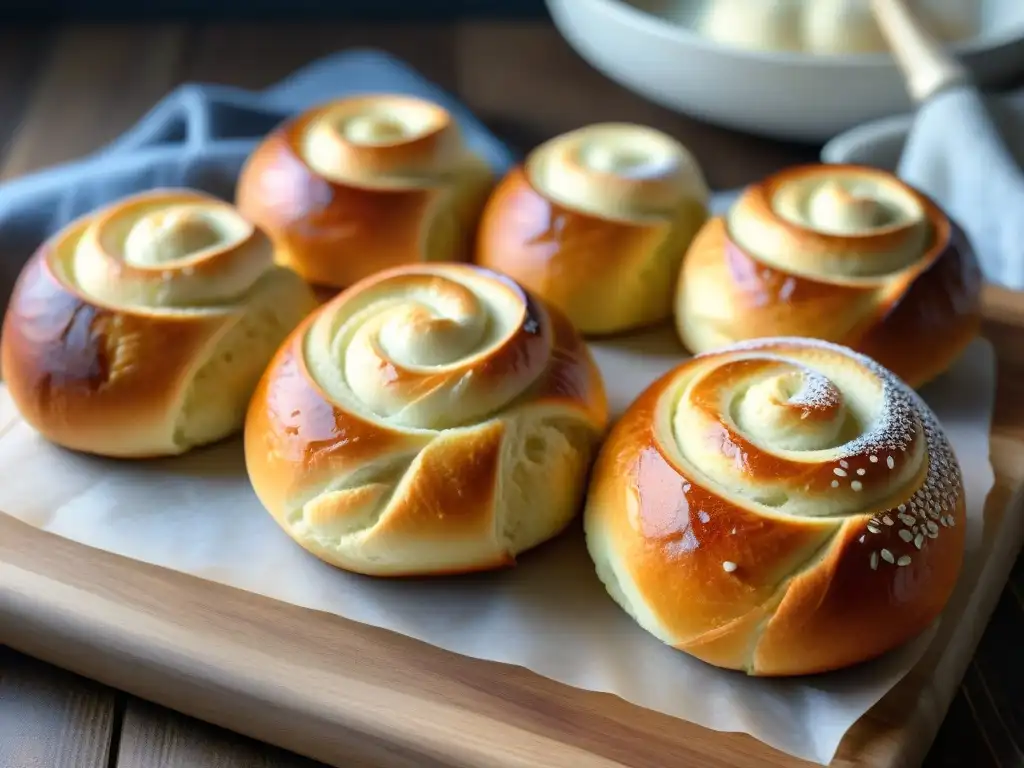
{"x": 919, "y": 540}
{"x": 728, "y": 566}
{"x": 861, "y": 471}
{"x": 887, "y": 556}
{"x": 874, "y": 528}
{"x": 856, "y": 485}
{"x": 902, "y": 508}
{"x": 840, "y": 472}
{"x": 904, "y": 560}
{"x": 732, "y": 532}
{"x": 887, "y": 520}
{"x": 703, "y": 516}
{"x": 932, "y": 527}
{"x": 952, "y": 521}
{"x": 906, "y": 535}
{"x": 889, "y": 462}
{"x": 874, "y": 561}
{"x": 843, "y": 464}
{"x": 945, "y": 524}
{"x": 835, "y": 483}
{"x": 873, "y": 459}
{"x": 861, "y": 539}
{"x": 906, "y": 519}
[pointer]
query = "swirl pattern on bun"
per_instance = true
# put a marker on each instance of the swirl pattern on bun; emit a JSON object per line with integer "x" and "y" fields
{"x": 430, "y": 419}
{"x": 141, "y": 329}
{"x": 782, "y": 507}
{"x": 846, "y": 254}
{"x": 596, "y": 222}
{"x": 364, "y": 184}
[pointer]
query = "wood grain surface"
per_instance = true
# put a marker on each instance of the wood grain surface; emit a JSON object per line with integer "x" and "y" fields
{"x": 66, "y": 91}
{"x": 51, "y": 718}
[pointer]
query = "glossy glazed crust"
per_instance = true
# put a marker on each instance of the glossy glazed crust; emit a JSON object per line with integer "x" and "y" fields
{"x": 78, "y": 371}
{"x": 916, "y": 321}
{"x": 742, "y": 588}
{"x": 136, "y": 379}
{"x": 388, "y": 500}
{"x": 335, "y": 234}
{"x": 607, "y": 275}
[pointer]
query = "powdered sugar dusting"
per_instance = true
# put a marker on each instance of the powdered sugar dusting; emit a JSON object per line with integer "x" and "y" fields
{"x": 902, "y": 418}
{"x": 895, "y": 427}
{"x": 815, "y": 391}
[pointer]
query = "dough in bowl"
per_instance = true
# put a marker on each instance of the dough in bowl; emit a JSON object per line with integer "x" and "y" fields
{"x": 825, "y": 27}
{"x": 141, "y": 329}
{"x": 843, "y": 253}
{"x": 780, "y": 507}
{"x": 596, "y": 222}
{"x": 431, "y": 419}
{"x": 363, "y": 184}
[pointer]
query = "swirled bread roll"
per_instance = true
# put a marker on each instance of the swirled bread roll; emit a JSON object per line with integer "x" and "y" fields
{"x": 364, "y": 184}
{"x": 845, "y": 254}
{"x": 141, "y": 329}
{"x": 430, "y": 419}
{"x": 596, "y": 222}
{"x": 782, "y": 507}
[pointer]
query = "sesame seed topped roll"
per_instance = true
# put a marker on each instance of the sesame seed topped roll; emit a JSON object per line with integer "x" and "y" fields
{"x": 846, "y": 254}
{"x": 782, "y": 507}
{"x": 141, "y": 329}
{"x": 430, "y": 419}
{"x": 596, "y": 221}
{"x": 363, "y": 184}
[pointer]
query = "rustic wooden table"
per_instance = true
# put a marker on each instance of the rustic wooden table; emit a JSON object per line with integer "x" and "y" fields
{"x": 64, "y": 91}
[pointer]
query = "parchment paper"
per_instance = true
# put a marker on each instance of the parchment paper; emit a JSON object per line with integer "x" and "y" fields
{"x": 197, "y": 514}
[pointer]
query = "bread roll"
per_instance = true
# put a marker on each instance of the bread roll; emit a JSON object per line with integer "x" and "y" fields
{"x": 841, "y": 26}
{"x": 141, "y": 329}
{"x": 432, "y": 419}
{"x": 364, "y": 184}
{"x": 597, "y": 221}
{"x": 760, "y": 25}
{"x": 846, "y": 254}
{"x": 780, "y": 507}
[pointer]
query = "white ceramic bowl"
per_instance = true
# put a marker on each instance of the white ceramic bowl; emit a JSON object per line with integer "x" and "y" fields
{"x": 783, "y": 95}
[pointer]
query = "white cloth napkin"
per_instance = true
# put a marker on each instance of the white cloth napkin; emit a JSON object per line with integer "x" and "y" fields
{"x": 956, "y": 152}
{"x": 965, "y": 151}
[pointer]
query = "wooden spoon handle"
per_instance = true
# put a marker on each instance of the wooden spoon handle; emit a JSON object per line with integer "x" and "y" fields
{"x": 927, "y": 66}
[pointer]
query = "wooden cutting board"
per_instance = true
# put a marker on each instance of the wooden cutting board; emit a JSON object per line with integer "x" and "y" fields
{"x": 352, "y": 695}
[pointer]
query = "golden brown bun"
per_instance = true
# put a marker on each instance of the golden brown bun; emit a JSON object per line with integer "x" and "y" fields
{"x": 783, "y": 507}
{"x": 141, "y": 329}
{"x": 841, "y": 253}
{"x": 596, "y": 222}
{"x": 431, "y": 419}
{"x": 364, "y": 184}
